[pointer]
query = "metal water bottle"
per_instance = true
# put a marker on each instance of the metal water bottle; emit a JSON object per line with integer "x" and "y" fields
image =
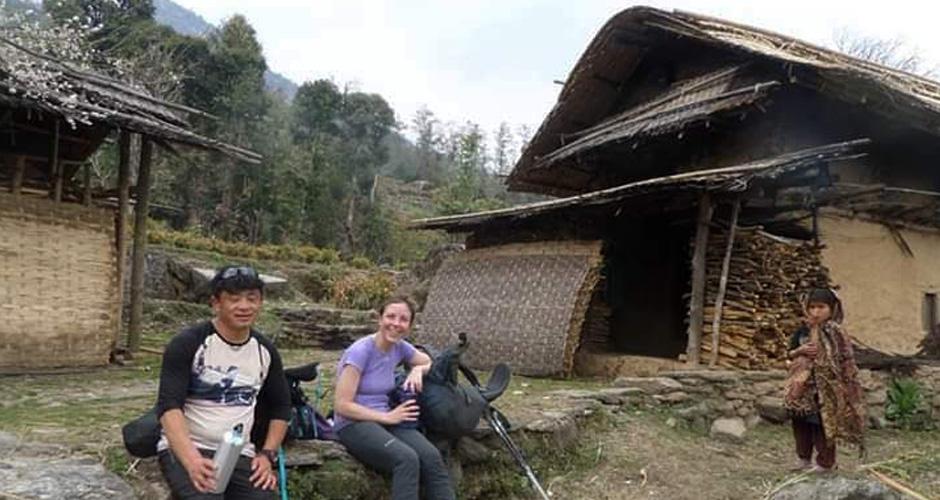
{"x": 226, "y": 455}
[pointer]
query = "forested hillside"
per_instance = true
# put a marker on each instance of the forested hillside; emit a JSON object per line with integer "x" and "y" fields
{"x": 323, "y": 149}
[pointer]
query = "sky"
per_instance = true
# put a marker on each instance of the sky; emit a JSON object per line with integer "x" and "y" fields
{"x": 492, "y": 61}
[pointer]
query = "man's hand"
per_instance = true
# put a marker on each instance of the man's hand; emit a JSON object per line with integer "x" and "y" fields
{"x": 201, "y": 472}
{"x": 262, "y": 473}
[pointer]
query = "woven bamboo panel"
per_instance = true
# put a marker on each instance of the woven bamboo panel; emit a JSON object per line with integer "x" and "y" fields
{"x": 58, "y": 285}
{"x": 521, "y": 304}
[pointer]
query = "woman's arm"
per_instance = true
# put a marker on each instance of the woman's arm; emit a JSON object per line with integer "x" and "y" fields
{"x": 343, "y": 402}
{"x": 420, "y": 365}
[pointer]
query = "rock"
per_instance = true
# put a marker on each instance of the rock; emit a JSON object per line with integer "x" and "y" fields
{"x": 752, "y": 420}
{"x": 769, "y": 388}
{"x": 316, "y": 453}
{"x": 878, "y": 397}
{"x": 650, "y": 385}
{"x": 877, "y": 422}
{"x": 707, "y": 375}
{"x": 728, "y": 429}
{"x": 671, "y": 422}
{"x": 33, "y": 477}
{"x": 168, "y": 277}
{"x": 562, "y": 427}
{"x": 672, "y": 397}
{"x": 608, "y": 396}
{"x": 772, "y": 410}
{"x": 836, "y": 488}
{"x": 702, "y": 409}
{"x": 472, "y": 452}
{"x": 738, "y": 393}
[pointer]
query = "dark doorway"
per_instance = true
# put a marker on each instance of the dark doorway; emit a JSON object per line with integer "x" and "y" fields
{"x": 647, "y": 273}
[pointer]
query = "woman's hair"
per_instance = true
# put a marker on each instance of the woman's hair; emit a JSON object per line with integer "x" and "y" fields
{"x": 399, "y": 299}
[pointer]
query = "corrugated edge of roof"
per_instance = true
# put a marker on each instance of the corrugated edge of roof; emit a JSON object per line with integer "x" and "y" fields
{"x": 912, "y": 89}
{"x": 706, "y": 179}
{"x": 135, "y": 110}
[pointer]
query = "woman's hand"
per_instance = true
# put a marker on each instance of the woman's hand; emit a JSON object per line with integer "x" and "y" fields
{"x": 405, "y": 412}
{"x": 415, "y": 380}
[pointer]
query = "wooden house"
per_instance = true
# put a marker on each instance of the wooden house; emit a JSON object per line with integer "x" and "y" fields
{"x": 62, "y": 246}
{"x": 707, "y": 175}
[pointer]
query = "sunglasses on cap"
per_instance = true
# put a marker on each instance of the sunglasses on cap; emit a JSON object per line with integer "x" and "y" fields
{"x": 232, "y": 272}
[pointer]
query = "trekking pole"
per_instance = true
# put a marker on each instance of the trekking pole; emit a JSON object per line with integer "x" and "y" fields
{"x": 495, "y": 419}
{"x": 282, "y": 472}
{"x": 316, "y": 402}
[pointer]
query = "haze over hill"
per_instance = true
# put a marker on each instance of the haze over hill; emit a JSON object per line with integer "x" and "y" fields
{"x": 187, "y": 22}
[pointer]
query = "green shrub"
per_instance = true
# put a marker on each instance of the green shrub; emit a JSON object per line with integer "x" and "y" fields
{"x": 158, "y": 234}
{"x": 360, "y": 262}
{"x": 907, "y": 406}
{"x": 361, "y": 290}
{"x": 316, "y": 282}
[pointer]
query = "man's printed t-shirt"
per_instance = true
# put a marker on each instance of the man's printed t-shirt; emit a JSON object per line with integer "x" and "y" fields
{"x": 217, "y": 384}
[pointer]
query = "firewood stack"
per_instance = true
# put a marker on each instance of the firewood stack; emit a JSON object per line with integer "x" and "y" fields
{"x": 595, "y": 334}
{"x": 762, "y": 307}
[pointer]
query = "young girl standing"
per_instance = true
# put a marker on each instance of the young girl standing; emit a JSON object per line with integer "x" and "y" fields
{"x": 823, "y": 395}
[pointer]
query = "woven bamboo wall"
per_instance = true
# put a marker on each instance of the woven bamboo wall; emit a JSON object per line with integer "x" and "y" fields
{"x": 58, "y": 285}
{"x": 522, "y": 304}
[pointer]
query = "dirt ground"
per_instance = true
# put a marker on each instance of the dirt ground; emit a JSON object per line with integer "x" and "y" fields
{"x": 639, "y": 455}
{"x": 634, "y": 452}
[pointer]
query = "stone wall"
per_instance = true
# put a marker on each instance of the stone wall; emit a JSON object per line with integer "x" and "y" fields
{"x": 705, "y": 395}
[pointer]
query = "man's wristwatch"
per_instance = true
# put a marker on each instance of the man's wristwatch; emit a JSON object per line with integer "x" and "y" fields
{"x": 271, "y": 454}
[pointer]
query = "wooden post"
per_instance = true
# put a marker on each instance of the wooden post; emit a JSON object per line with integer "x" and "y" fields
{"x": 697, "y": 302}
{"x": 723, "y": 283}
{"x": 124, "y": 183}
{"x": 55, "y": 165}
{"x": 18, "y": 173}
{"x": 86, "y": 184}
{"x": 139, "y": 261}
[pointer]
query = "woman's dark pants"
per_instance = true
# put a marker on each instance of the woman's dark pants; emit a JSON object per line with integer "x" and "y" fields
{"x": 405, "y": 454}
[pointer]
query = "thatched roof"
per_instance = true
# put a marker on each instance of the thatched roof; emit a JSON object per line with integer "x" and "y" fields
{"x": 681, "y": 190}
{"x": 30, "y": 80}
{"x": 595, "y": 88}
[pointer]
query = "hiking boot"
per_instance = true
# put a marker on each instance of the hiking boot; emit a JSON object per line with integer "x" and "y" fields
{"x": 818, "y": 469}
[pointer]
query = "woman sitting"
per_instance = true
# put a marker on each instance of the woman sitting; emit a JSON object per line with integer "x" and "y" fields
{"x": 381, "y": 437}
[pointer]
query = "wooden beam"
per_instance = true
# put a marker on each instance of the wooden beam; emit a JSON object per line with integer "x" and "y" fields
{"x": 56, "y": 168}
{"x": 18, "y": 173}
{"x": 697, "y": 302}
{"x": 723, "y": 282}
{"x": 139, "y": 262}
{"x": 124, "y": 184}
{"x": 86, "y": 184}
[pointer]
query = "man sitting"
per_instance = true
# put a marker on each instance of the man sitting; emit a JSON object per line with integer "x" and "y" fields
{"x": 214, "y": 374}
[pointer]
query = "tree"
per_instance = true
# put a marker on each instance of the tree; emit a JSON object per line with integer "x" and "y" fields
{"x": 894, "y": 52}
{"x": 315, "y": 108}
{"x": 100, "y": 14}
{"x": 503, "y": 155}
{"x": 428, "y": 145}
